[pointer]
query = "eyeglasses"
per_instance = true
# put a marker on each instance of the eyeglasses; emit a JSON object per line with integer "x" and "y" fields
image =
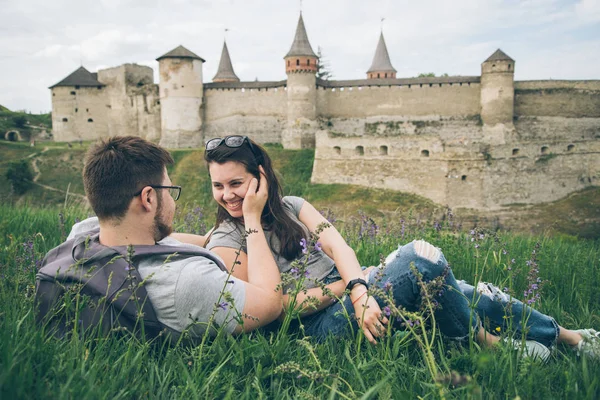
{"x": 174, "y": 191}
{"x": 233, "y": 142}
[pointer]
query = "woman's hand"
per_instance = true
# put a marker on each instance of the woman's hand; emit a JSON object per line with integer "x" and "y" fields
{"x": 370, "y": 318}
{"x": 256, "y": 197}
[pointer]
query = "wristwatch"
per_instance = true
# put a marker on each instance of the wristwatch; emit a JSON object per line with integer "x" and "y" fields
{"x": 355, "y": 282}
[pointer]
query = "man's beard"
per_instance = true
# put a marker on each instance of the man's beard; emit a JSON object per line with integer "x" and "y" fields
{"x": 160, "y": 229}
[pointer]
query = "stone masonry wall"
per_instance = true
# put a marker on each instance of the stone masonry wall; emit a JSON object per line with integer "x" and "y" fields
{"x": 260, "y": 114}
{"x": 542, "y": 159}
{"x": 132, "y": 101}
{"x": 417, "y": 100}
{"x": 573, "y": 99}
{"x": 78, "y": 114}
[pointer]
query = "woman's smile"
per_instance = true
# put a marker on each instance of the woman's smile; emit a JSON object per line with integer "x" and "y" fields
{"x": 230, "y": 181}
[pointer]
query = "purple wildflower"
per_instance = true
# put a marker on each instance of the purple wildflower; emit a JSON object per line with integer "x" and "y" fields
{"x": 223, "y": 305}
{"x": 387, "y": 286}
{"x": 304, "y": 246}
{"x": 318, "y": 246}
{"x": 386, "y": 311}
{"x": 294, "y": 270}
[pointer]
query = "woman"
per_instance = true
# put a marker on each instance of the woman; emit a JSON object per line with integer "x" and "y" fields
{"x": 234, "y": 160}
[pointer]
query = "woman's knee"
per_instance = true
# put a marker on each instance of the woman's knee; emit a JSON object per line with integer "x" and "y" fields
{"x": 425, "y": 257}
{"x": 427, "y": 250}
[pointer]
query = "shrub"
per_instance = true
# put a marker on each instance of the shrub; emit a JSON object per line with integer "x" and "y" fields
{"x": 20, "y": 175}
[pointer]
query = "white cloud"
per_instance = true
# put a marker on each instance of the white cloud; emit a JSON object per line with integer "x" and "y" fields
{"x": 588, "y": 10}
{"x": 51, "y": 38}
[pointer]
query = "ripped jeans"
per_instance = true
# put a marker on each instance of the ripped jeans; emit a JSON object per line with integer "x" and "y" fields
{"x": 456, "y": 318}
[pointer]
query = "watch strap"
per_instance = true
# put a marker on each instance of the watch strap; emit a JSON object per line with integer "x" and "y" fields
{"x": 355, "y": 282}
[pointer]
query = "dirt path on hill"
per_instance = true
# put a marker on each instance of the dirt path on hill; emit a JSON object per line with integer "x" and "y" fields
{"x": 37, "y": 171}
{"x": 38, "y": 174}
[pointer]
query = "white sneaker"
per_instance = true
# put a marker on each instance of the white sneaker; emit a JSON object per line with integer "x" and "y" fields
{"x": 532, "y": 349}
{"x": 589, "y": 345}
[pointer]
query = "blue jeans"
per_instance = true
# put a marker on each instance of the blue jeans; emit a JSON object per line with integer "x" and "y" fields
{"x": 462, "y": 308}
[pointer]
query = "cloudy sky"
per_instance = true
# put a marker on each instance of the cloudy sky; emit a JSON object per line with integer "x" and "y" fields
{"x": 42, "y": 41}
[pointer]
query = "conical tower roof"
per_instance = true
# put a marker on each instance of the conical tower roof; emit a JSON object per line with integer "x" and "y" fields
{"x": 381, "y": 60}
{"x": 225, "y": 72}
{"x": 180, "y": 52}
{"x": 301, "y": 45}
{"x": 499, "y": 55}
{"x": 81, "y": 77}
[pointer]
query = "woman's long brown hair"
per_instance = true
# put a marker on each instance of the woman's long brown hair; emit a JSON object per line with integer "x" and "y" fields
{"x": 274, "y": 215}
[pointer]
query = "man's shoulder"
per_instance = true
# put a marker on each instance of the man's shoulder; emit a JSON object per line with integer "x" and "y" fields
{"x": 86, "y": 226}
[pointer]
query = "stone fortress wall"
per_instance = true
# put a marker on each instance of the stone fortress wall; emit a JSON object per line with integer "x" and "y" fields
{"x": 551, "y": 149}
{"x": 254, "y": 111}
{"x": 479, "y": 142}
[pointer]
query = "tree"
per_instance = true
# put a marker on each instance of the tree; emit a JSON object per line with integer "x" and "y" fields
{"x": 19, "y": 121}
{"x": 431, "y": 75}
{"x": 20, "y": 175}
{"x": 323, "y": 69}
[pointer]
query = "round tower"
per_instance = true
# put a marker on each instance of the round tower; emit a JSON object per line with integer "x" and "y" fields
{"x": 181, "y": 93}
{"x": 497, "y": 89}
{"x": 301, "y": 68}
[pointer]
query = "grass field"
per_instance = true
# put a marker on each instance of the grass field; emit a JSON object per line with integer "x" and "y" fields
{"x": 60, "y": 168}
{"x": 267, "y": 365}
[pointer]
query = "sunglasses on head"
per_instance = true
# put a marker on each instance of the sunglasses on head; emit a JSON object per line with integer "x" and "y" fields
{"x": 233, "y": 142}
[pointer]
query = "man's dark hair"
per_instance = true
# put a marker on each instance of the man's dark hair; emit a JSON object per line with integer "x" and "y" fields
{"x": 116, "y": 168}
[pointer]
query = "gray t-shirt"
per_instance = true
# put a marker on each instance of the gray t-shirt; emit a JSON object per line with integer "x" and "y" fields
{"x": 231, "y": 234}
{"x": 184, "y": 290}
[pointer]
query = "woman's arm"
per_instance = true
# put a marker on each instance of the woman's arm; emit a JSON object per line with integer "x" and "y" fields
{"x": 262, "y": 298}
{"x": 333, "y": 244}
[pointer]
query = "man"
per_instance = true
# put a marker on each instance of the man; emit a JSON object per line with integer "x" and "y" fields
{"x": 129, "y": 189}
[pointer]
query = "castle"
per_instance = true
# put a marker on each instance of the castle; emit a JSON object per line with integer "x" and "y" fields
{"x": 480, "y": 142}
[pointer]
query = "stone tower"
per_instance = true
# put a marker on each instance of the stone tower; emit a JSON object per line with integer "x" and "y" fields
{"x": 225, "y": 72}
{"x": 301, "y": 68}
{"x": 381, "y": 67}
{"x": 497, "y": 89}
{"x": 181, "y": 93}
{"x": 79, "y": 107}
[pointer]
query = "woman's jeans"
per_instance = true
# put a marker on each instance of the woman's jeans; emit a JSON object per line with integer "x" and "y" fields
{"x": 462, "y": 308}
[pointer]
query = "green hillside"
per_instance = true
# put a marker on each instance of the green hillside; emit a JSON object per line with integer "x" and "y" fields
{"x": 26, "y": 124}
{"x": 59, "y": 183}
